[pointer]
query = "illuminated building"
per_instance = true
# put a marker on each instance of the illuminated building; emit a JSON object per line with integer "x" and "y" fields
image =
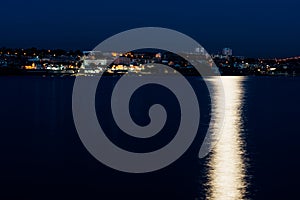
{"x": 227, "y": 52}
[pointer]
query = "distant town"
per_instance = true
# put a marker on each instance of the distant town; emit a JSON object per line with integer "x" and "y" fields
{"x": 52, "y": 62}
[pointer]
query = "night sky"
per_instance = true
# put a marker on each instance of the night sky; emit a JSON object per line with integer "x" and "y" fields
{"x": 258, "y": 28}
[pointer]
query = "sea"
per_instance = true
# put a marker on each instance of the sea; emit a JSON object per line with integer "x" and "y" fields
{"x": 256, "y": 155}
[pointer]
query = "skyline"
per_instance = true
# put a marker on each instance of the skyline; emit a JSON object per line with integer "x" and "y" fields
{"x": 251, "y": 28}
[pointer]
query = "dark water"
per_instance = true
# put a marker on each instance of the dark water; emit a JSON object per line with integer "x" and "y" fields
{"x": 42, "y": 156}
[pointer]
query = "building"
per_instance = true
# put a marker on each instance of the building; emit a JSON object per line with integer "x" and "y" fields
{"x": 227, "y": 52}
{"x": 200, "y": 50}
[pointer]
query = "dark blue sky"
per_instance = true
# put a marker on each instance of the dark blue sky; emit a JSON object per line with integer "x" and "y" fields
{"x": 260, "y": 28}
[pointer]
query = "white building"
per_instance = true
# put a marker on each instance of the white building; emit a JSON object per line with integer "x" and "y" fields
{"x": 227, "y": 52}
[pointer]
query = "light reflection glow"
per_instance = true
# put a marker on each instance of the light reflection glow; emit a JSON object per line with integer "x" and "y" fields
{"x": 226, "y": 164}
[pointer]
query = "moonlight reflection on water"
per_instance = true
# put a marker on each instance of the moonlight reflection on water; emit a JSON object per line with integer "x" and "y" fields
{"x": 226, "y": 164}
